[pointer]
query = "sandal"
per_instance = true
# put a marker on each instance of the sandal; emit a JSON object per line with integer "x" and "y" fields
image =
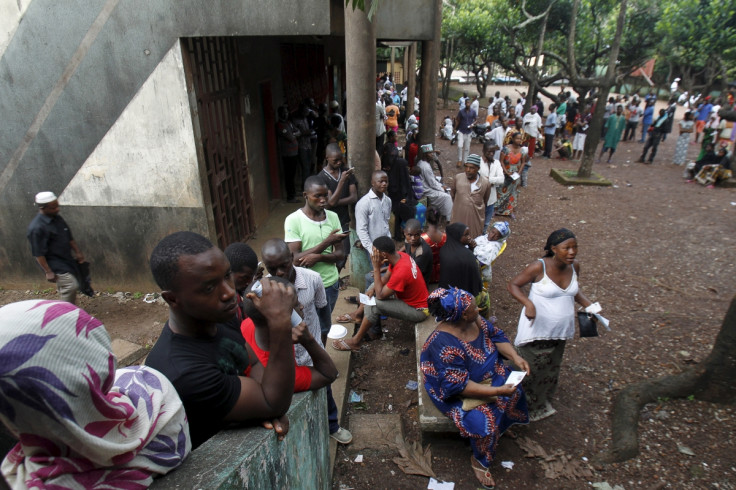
{"x": 346, "y": 318}
{"x": 343, "y": 346}
{"x": 482, "y": 474}
{"x": 353, "y": 300}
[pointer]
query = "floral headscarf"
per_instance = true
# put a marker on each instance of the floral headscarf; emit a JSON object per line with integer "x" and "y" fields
{"x": 449, "y": 304}
{"x": 80, "y": 423}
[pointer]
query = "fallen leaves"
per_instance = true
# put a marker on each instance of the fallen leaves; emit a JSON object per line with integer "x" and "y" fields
{"x": 414, "y": 459}
{"x": 556, "y": 464}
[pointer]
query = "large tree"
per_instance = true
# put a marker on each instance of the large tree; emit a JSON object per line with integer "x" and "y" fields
{"x": 698, "y": 42}
{"x": 712, "y": 381}
{"x": 623, "y": 42}
{"x": 470, "y": 41}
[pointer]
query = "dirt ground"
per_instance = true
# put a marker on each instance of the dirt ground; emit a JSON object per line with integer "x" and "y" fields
{"x": 657, "y": 253}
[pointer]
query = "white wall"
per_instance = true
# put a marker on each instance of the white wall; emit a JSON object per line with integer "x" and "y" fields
{"x": 148, "y": 158}
{"x": 11, "y": 12}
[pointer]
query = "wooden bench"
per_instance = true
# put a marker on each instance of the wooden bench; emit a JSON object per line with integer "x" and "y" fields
{"x": 430, "y": 419}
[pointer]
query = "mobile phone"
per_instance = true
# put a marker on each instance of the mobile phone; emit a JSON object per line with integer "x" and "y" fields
{"x": 346, "y": 228}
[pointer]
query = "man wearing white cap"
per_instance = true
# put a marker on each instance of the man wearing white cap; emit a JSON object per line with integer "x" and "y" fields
{"x": 52, "y": 244}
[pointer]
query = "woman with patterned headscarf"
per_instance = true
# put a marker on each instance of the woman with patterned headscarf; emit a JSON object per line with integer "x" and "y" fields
{"x": 548, "y": 317}
{"x": 465, "y": 376}
{"x": 79, "y": 422}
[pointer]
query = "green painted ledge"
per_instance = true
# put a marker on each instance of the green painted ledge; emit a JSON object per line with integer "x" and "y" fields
{"x": 253, "y": 458}
{"x": 569, "y": 177}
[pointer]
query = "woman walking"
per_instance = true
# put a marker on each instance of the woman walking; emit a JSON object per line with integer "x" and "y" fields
{"x": 513, "y": 160}
{"x": 548, "y": 317}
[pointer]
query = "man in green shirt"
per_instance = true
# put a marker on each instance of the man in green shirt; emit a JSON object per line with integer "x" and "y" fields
{"x": 312, "y": 233}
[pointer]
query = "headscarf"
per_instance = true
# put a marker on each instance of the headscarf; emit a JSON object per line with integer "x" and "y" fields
{"x": 458, "y": 266}
{"x": 557, "y": 237}
{"x": 80, "y": 423}
{"x": 448, "y": 305}
{"x": 503, "y": 229}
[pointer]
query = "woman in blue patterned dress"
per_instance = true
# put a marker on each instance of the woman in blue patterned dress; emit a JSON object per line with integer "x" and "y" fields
{"x": 465, "y": 376}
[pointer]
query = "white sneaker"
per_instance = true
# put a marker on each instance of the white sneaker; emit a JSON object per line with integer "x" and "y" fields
{"x": 343, "y": 436}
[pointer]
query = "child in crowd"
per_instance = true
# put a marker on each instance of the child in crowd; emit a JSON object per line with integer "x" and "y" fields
{"x": 488, "y": 247}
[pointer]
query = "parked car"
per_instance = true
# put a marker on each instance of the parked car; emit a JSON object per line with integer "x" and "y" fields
{"x": 505, "y": 80}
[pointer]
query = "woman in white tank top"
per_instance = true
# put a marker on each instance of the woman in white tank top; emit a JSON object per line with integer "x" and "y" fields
{"x": 548, "y": 317}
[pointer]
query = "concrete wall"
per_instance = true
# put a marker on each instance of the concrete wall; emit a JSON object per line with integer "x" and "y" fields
{"x": 253, "y": 458}
{"x": 92, "y": 110}
{"x": 71, "y": 71}
{"x": 405, "y": 20}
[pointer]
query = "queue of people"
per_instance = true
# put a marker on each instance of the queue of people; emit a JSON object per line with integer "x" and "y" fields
{"x": 242, "y": 338}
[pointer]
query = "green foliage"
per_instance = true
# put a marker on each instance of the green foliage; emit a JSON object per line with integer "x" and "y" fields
{"x": 360, "y": 4}
{"x": 698, "y": 38}
{"x": 137, "y": 295}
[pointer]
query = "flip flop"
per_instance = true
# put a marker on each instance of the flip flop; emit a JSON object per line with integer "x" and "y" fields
{"x": 341, "y": 345}
{"x": 482, "y": 474}
{"x": 353, "y": 300}
{"x": 346, "y": 318}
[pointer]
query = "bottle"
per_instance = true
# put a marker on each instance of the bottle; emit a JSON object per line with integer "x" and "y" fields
{"x": 257, "y": 288}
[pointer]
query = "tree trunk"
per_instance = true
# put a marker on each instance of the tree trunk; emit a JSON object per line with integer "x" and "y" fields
{"x": 449, "y": 65}
{"x": 594, "y": 134}
{"x": 711, "y": 381}
{"x": 605, "y": 83}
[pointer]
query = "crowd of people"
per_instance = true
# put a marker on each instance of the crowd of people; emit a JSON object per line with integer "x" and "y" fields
{"x": 244, "y": 334}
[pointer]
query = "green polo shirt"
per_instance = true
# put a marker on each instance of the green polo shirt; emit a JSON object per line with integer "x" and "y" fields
{"x": 299, "y": 228}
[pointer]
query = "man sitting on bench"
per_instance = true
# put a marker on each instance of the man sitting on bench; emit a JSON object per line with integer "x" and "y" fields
{"x": 403, "y": 279}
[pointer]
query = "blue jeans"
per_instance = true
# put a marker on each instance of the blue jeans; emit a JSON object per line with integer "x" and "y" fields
{"x": 325, "y": 313}
{"x": 332, "y": 411}
{"x": 489, "y": 217}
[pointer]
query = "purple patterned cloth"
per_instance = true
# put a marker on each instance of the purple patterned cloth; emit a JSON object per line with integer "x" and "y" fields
{"x": 79, "y": 422}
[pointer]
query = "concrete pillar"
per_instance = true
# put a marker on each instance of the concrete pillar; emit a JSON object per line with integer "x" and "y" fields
{"x": 411, "y": 79}
{"x": 430, "y": 69}
{"x": 360, "y": 66}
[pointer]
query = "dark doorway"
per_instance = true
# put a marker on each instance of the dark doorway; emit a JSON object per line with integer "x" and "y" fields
{"x": 213, "y": 66}
{"x": 270, "y": 143}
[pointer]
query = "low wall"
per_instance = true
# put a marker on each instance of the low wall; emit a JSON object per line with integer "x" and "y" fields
{"x": 253, "y": 458}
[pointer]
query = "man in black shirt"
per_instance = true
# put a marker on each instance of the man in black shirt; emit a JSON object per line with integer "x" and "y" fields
{"x": 52, "y": 244}
{"x": 343, "y": 191}
{"x": 205, "y": 360}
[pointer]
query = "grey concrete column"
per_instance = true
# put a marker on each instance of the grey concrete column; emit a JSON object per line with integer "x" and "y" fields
{"x": 430, "y": 68}
{"x": 411, "y": 79}
{"x": 360, "y": 67}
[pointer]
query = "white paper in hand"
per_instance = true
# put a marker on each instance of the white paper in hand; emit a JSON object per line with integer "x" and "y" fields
{"x": 515, "y": 176}
{"x": 364, "y": 299}
{"x": 515, "y": 377}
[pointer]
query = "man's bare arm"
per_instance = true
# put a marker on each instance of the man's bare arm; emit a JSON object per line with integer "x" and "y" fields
{"x": 272, "y": 396}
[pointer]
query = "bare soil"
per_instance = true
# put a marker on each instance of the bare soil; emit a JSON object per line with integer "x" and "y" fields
{"x": 658, "y": 254}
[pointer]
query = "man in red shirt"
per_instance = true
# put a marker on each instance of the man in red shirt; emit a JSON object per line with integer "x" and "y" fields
{"x": 403, "y": 280}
